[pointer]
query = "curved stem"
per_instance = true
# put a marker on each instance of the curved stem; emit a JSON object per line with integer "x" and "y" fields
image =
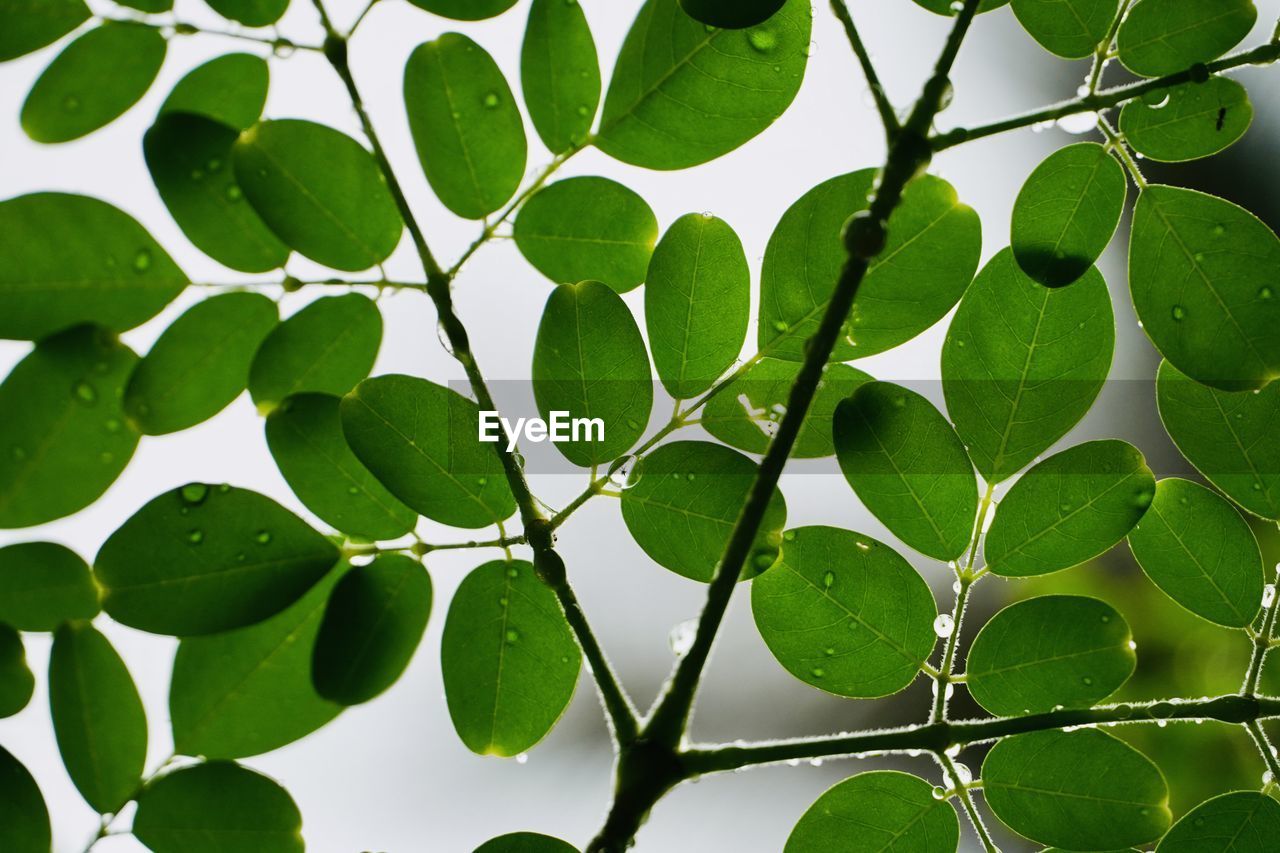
{"x": 962, "y": 792}
{"x": 1116, "y": 143}
{"x": 888, "y": 117}
{"x": 1262, "y": 642}
{"x": 1264, "y": 748}
{"x": 1104, "y": 49}
{"x": 181, "y": 28}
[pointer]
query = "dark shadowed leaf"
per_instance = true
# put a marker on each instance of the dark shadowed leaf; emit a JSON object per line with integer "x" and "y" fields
{"x": 525, "y": 842}
{"x": 845, "y": 613}
{"x": 684, "y": 93}
{"x": 1081, "y": 790}
{"x": 42, "y": 585}
{"x": 150, "y": 6}
{"x": 891, "y": 811}
{"x": 1192, "y": 121}
{"x": 950, "y": 8}
{"x": 1069, "y": 508}
{"x": 251, "y": 13}
{"x": 74, "y": 97}
{"x": 1239, "y": 822}
{"x": 217, "y": 807}
{"x": 97, "y": 717}
{"x": 466, "y": 125}
{"x": 28, "y": 25}
{"x": 24, "y": 818}
{"x": 200, "y": 364}
{"x": 1072, "y": 29}
{"x": 908, "y": 467}
{"x": 509, "y": 660}
{"x": 421, "y": 441}
{"x": 16, "y": 681}
{"x": 588, "y": 228}
{"x": 62, "y": 423}
{"x": 1023, "y": 363}
{"x": 560, "y": 73}
{"x": 1201, "y": 553}
{"x": 731, "y": 14}
{"x": 681, "y": 503}
{"x": 229, "y": 89}
{"x": 929, "y": 260}
{"x": 202, "y": 559}
{"x": 1163, "y": 36}
{"x": 465, "y": 10}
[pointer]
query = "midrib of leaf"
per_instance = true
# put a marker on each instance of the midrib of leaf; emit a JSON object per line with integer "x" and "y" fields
{"x": 937, "y": 531}
{"x": 34, "y": 459}
{"x": 1177, "y": 537}
{"x": 207, "y": 355}
{"x": 688, "y": 310}
{"x": 1020, "y": 665}
{"x": 1063, "y": 519}
{"x": 502, "y": 657}
{"x": 1165, "y": 35}
{"x": 887, "y": 640}
{"x": 347, "y": 475}
{"x": 457, "y": 128}
{"x": 1022, "y": 384}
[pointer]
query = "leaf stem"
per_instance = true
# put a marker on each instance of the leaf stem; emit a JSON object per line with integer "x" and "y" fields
{"x": 181, "y": 28}
{"x": 1117, "y": 144}
{"x": 1104, "y": 49}
{"x": 888, "y": 117}
{"x": 1265, "y": 749}
{"x": 1262, "y": 643}
{"x": 961, "y": 789}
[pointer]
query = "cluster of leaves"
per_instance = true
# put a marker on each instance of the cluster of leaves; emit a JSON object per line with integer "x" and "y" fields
{"x": 283, "y": 626}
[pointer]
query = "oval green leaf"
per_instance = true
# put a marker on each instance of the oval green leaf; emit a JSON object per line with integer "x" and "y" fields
{"x": 1022, "y": 363}
{"x": 1068, "y": 509}
{"x": 891, "y": 811}
{"x": 1067, "y": 212}
{"x": 588, "y": 228}
{"x": 24, "y": 817}
{"x": 200, "y": 363}
{"x": 72, "y": 259}
{"x": 684, "y": 93}
{"x": 465, "y": 124}
{"x": 950, "y": 9}
{"x": 560, "y": 74}
{"x": 249, "y": 691}
{"x": 72, "y": 440}
{"x": 203, "y": 559}
{"x": 73, "y": 97}
{"x": 306, "y": 440}
{"x": 1192, "y": 121}
{"x": 1072, "y": 29}
{"x": 28, "y": 25}
{"x": 509, "y": 660}
{"x": 1203, "y": 274}
{"x": 230, "y": 89}
{"x": 16, "y": 681}
{"x": 320, "y": 191}
{"x": 43, "y": 584}
{"x": 930, "y": 258}
{"x": 696, "y": 302}
{"x": 1239, "y": 822}
{"x": 1081, "y": 790}
{"x": 908, "y": 467}
{"x": 1050, "y": 652}
{"x": 465, "y": 10}
{"x": 217, "y": 807}
{"x": 845, "y": 613}
{"x": 325, "y": 348}
{"x": 589, "y": 361}
{"x": 1201, "y": 553}
{"x": 681, "y": 503}
{"x": 1165, "y": 36}
{"x": 417, "y": 439}
{"x": 525, "y": 842}
{"x": 97, "y": 716}
{"x": 251, "y": 13}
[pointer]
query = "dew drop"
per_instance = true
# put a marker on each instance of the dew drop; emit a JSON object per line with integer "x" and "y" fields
{"x": 283, "y": 48}
{"x": 1219, "y": 230}
{"x": 85, "y": 393}
{"x": 944, "y": 625}
{"x": 491, "y": 100}
{"x": 1079, "y": 123}
{"x": 939, "y": 793}
{"x": 197, "y": 174}
{"x": 829, "y": 652}
{"x": 762, "y": 40}
{"x": 512, "y": 636}
{"x": 522, "y": 758}
{"x": 234, "y": 193}
{"x": 213, "y": 165}
{"x": 195, "y": 537}
{"x": 263, "y": 537}
{"x": 1268, "y": 595}
{"x": 353, "y": 490}
{"x": 194, "y": 493}
{"x": 584, "y": 110}
{"x": 142, "y": 260}
{"x": 1178, "y": 312}
{"x": 680, "y": 638}
{"x": 18, "y": 453}
{"x": 71, "y": 103}
{"x": 818, "y": 672}
{"x": 779, "y": 326}
{"x": 1087, "y": 681}
{"x": 789, "y": 536}
{"x": 513, "y": 572}
{"x": 106, "y": 456}
{"x": 828, "y": 580}
{"x": 1265, "y": 292}
{"x": 112, "y": 425}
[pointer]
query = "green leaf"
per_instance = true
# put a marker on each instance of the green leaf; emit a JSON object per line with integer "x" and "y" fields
{"x": 251, "y": 13}
{"x": 1081, "y": 790}
{"x": 465, "y": 10}
{"x": 1050, "y": 652}
{"x": 24, "y": 817}
{"x": 683, "y": 94}
{"x": 217, "y": 807}
{"x": 466, "y": 125}
{"x": 42, "y": 585}
{"x": 875, "y": 812}
{"x": 187, "y": 156}
{"x": 1068, "y": 509}
{"x": 16, "y": 681}
{"x": 908, "y": 467}
{"x": 72, "y": 259}
{"x": 509, "y": 660}
{"x": 421, "y": 441}
{"x": 1023, "y": 363}
{"x": 97, "y": 717}
{"x": 1067, "y": 212}
{"x": 588, "y": 228}
{"x": 696, "y": 302}
{"x": 746, "y": 413}
{"x": 200, "y": 363}
{"x": 1192, "y": 121}
{"x": 230, "y": 89}
{"x": 1165, "y": 36}
{"x": 589, "y": 361}
{"x": 72, "y": 440}
{"x": 1072, "y": 29}
{"x": 202, "y": 559}
{"x": 28, "y": 25}
{"x": 1203, "y": 274}
{"x": 950, "y": 9}
{"x": 327, "y": 347}
{"x": 320, "y": 191}
{"x": 525, "y": 842}
{"x": 150, "y": 6}
{"x": 1201, "y": 553}
{"x": 930, "y": 258}
{"x": 681, "y": 503}
{"x": 1238, "y": 822}
{"x": 306, "y": 440}
{"x": 249, "y": 691}
{"x": 731, "y": 14}
{"x": 560, "y": 74}
{"x": 372, "y": 626}
{"x": 845, "y": 613}
{"x": 73, "y": 97}
{"x": 1229, "y": 437}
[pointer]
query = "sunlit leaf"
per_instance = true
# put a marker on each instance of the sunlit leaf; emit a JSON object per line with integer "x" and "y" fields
{"x": 1239, "y": 822}
{"x": 28, "y": 25}
{"x": 1072, "y": 29}
{"x": 1163, "y": 36}
{"x": 24, "y": 818}
{"x": 891, "y": 812}
{"x": 230, "y": 89}
{"x": 16, "y": 681}
{"x": 525, "y": 842}
{"x": 560, "y": 73}
{"x": 465, "y": 10}
{"x": 42, "y": 585}
{"x": 950, "y": 8}
{"x": 251, "y": 13}
{"x": 1191, "y": 121}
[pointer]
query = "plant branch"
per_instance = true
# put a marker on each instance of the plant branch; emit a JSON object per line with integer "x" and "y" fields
{"x": 1116, "y": 143}
{"x": 292, "y": 284}
{"x": 1104, "y": 49}
{"x": 182, "y": 28}
{"x": 961, "y": 788}
{"x": 888, "y": 117}
{"x": 1262, "y": 642}
{"x": 1264, "y": 748}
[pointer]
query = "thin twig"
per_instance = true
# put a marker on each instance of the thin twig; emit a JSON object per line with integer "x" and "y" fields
{"x": 888, "y": 117}
{"x": 1262, "y": 642}
{"x": 1103, "y": 53}
{"x": 961, "y": 788}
